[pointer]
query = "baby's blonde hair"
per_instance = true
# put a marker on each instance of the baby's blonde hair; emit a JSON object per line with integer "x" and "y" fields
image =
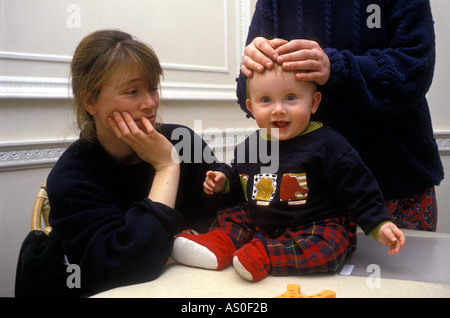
{"x": 276, "y": 68}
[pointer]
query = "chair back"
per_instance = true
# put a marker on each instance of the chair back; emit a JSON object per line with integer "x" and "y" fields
{"x": 40, "y": 212}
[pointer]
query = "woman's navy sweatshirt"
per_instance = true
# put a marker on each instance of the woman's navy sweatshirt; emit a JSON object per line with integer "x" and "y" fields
{"x": 108, "y": 226}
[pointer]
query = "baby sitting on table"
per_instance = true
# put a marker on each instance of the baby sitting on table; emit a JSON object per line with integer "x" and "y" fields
{"x": 299, "y": 218}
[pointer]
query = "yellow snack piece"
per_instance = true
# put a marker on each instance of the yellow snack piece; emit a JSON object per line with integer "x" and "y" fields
{"x": 293, "y": 291}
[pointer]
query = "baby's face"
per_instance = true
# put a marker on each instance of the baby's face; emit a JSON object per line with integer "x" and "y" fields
{"x": 281, "y": 104}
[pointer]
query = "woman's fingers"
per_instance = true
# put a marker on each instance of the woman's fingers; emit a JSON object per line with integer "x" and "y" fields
{"x": 130, "y": 124}
{"x": 147, "y": 125}
{"x": 124, "y": 125}
{"x": 115, "y": 128}
{"x": 119, "y": 125}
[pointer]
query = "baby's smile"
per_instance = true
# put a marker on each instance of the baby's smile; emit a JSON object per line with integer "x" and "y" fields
{"x": 280, "y": 124}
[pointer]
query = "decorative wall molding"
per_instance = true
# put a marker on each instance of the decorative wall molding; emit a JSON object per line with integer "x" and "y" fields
{"x": 17, "y": 87}
{"x": 223, "y": 142}
{"x": 14, "y": 87}
{"x": 20, "y": 56}
{"x": 31, "y": 154}
{"x": 245, "y": 16}
{"x": 42, "y": 154}
{"x": 443, "y": 141}
{"x": 193, "y": 91}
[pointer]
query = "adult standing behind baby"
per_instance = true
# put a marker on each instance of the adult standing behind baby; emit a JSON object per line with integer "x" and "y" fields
{"x": 374, "y": 62}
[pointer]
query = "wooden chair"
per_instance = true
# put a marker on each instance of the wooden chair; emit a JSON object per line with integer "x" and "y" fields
{"x": 41, "y": 210}
{"x": 41, "y": 271}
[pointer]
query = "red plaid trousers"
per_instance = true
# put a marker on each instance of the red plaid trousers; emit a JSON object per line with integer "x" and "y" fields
{"x": 316, "y": 247}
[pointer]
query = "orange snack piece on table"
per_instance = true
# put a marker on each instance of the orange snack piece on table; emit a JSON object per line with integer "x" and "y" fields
{"x": 293, "y": 291}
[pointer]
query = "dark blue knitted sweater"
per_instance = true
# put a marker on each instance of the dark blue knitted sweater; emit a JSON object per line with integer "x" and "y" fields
{"x": 375, "y": 96}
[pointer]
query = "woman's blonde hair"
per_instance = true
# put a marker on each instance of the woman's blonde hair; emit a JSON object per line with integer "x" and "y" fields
{"x": 98, "y": 58}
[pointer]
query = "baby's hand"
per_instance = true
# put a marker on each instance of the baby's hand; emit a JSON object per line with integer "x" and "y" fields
{"x": 213, "y": 182}
{"x": 390, "y": 235}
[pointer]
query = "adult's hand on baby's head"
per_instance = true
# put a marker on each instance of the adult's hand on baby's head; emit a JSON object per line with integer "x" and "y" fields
{"x": 308, "y": 58}
{"x": 260, "y": 54}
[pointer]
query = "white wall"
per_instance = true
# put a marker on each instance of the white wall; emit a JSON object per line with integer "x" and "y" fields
{"x": 200, "y": 44}
{"x": 439, "y": 106}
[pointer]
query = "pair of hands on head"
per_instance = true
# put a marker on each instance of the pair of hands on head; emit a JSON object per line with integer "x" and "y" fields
{"x": 304, "y": 56}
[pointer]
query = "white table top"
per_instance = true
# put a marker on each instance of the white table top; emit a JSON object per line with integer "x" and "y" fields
{"x": 179, "y": 281}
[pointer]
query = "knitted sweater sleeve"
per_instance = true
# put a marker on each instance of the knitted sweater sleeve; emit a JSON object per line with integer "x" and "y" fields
{"x": 386, "y": 80}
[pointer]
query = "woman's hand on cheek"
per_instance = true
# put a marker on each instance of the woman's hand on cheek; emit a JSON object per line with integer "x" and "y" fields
{"x": 149, "y": 145}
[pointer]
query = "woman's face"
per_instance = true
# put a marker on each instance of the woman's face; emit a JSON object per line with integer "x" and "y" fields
{"x": 130, "y": 94}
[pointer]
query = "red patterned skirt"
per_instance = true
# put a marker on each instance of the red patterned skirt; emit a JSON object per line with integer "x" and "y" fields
{"x": 418, "y": 212}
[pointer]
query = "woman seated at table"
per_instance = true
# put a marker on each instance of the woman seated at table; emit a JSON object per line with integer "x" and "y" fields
{"x": 117, "y": 196}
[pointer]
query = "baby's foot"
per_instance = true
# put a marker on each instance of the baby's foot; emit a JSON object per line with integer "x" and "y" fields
{"x": 213, "y": 250}
{"x": 251, "y": 261}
